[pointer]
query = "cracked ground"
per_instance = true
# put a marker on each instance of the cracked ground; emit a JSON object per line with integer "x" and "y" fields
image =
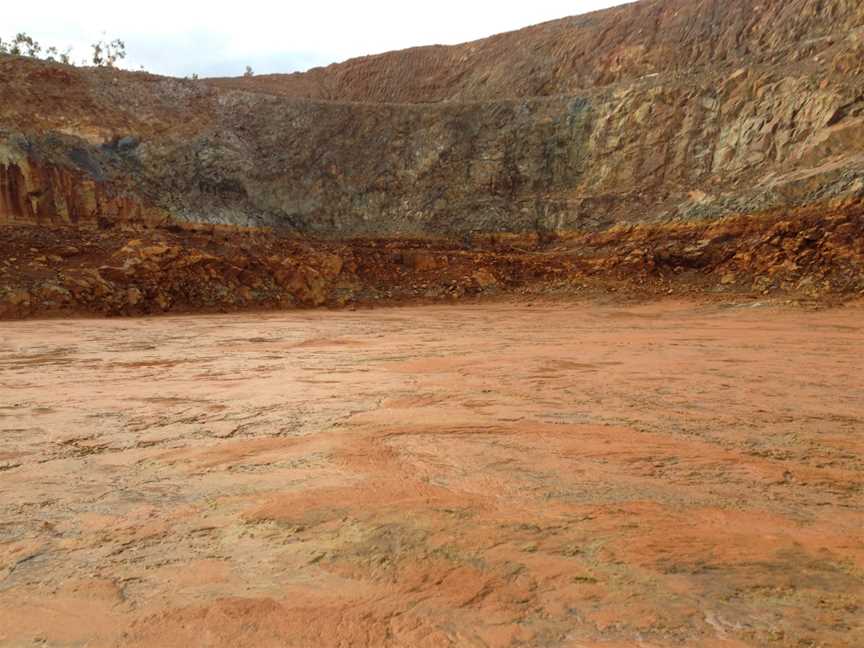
{"x": 580, "y": 475}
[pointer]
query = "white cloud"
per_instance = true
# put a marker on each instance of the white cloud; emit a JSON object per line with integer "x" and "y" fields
{"x": 177, "y": 37}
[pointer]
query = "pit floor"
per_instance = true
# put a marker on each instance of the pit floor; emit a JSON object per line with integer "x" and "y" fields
{"x": 581, "y": 475}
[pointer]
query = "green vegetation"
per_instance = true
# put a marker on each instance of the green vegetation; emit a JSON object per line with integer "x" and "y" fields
{"x": 103, "y": 53}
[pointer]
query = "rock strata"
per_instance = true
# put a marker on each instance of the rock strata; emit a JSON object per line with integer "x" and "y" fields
{"x": 815, "y": 253}
{"x": 656, "y": 111}
{"x": 673, "y": 114}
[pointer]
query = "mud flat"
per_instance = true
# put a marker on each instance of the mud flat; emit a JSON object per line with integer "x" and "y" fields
{"x": 669, "y": 474}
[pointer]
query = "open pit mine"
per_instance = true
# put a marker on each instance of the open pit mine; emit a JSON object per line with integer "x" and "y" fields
{"x": 552, "y": 339}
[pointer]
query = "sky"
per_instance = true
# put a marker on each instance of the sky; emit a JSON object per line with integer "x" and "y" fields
{"x": 216, "y": 38}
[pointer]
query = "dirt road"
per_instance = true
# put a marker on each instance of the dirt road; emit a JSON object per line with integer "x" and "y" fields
{"x": 501, "y": 475}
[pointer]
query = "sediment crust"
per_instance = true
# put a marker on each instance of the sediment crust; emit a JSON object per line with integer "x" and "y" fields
{"x": 662, "y": 474}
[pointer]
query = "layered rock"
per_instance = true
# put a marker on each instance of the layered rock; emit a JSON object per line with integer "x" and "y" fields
{"x": 668, "y": 113}
{"x": 815, "y": 253}
{"x": 35, "y": 192}
{"x": 656, "y": 111}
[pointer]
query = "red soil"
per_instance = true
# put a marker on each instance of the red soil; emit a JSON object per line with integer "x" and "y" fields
{"x": 606, "y": 476}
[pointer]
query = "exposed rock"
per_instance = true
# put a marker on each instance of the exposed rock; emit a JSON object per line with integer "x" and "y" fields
{"x": 423, "y": 260}
{"x": 663, "y": 145}
{"x": 133, "y": 296}
{"x": 484, "y": 279}
{"x": 658, "y": 110}
{"x": 18, "y": 298}
{"x": 816, "y": 252}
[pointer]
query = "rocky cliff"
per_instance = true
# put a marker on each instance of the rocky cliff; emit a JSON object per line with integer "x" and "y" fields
{"x": 662, "y": 112}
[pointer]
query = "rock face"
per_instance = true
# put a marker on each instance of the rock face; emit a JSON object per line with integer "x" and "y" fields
{"x": 574, "y": 138}
{"x": 657, "y": 111}
{"x": 48, "y": 194}
{"x": 814, "y": 253}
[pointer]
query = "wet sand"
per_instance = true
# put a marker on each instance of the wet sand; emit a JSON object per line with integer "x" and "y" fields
{"x": 580, "y": 475}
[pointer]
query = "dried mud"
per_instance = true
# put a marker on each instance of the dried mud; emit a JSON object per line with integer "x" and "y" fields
{"x": 584, "y": 475}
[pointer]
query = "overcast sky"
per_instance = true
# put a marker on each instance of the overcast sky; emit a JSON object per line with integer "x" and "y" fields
{"x": 211, "y": 38}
